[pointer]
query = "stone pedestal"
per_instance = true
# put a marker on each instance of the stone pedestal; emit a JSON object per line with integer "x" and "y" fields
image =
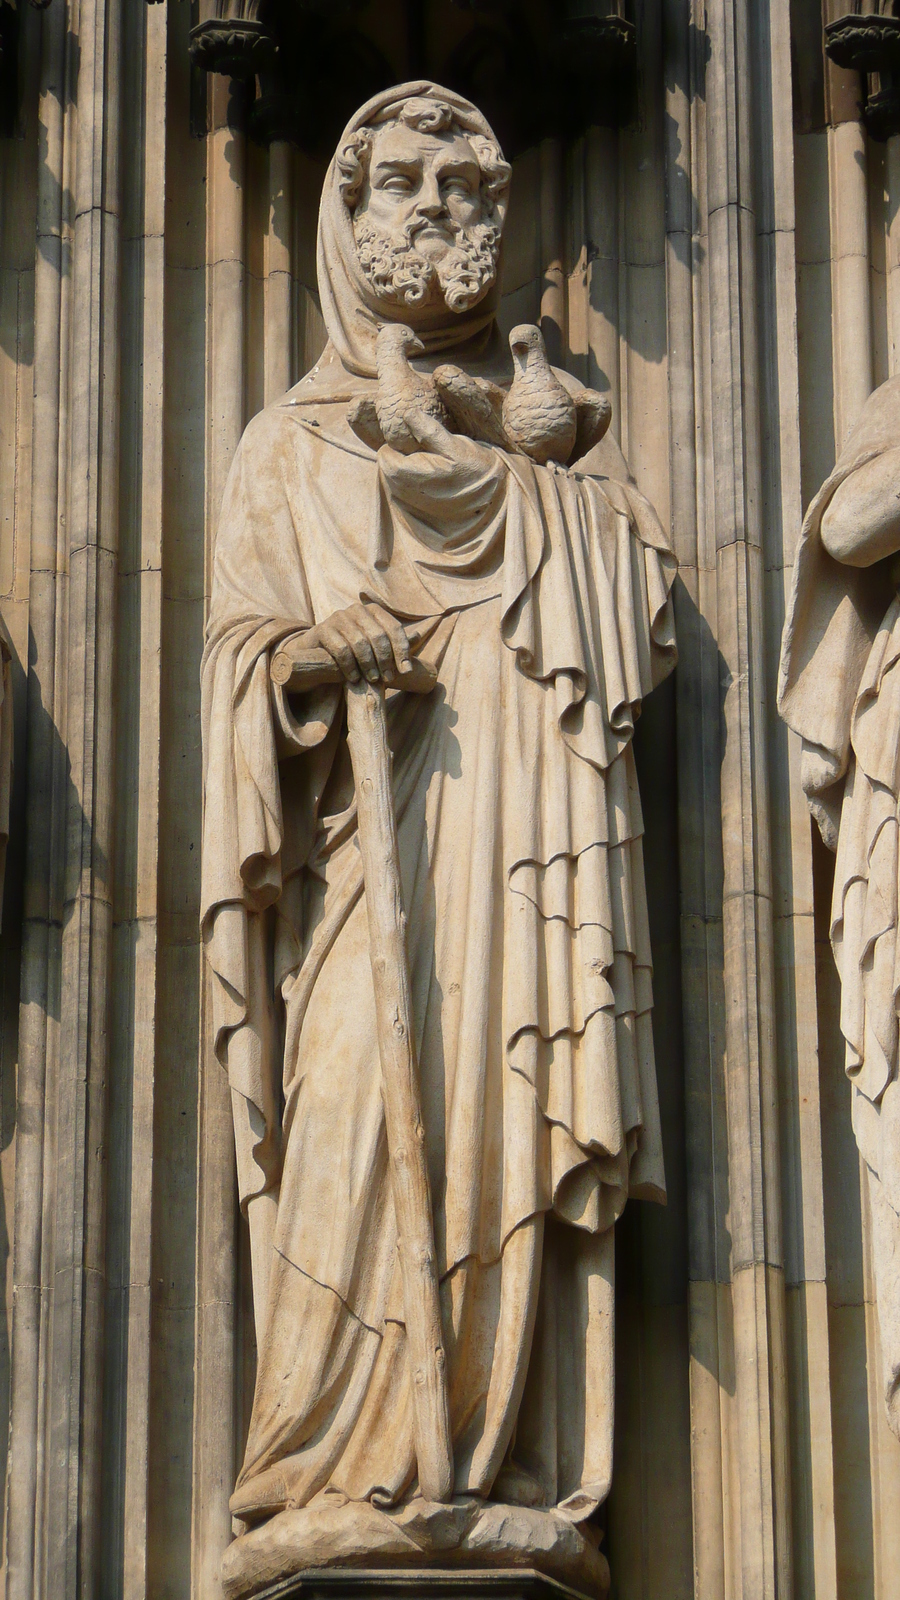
{"x": 349, "y": 1583}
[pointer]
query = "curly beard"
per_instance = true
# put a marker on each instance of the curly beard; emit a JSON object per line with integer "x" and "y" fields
{"x": 397, "y": 273}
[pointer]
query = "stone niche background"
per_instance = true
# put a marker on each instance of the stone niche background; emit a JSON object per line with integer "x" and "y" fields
{"x": 725, "y": 263}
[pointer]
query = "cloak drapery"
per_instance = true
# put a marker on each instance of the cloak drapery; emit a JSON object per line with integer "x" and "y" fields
{"x": 840, "y": 690}
{"x": 541, "y": 596}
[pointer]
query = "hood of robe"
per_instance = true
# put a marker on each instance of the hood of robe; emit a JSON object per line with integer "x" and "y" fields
{"x": 352, "y": 313}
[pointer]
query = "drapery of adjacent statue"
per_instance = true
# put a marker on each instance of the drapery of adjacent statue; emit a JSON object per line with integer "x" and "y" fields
{"x": 840, "y": 690}
{"x": 6, "y": 748}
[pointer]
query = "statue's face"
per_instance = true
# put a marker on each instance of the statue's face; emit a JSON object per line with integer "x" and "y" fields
{"x": 425, "y": 234}
{"x": 423, "y": 186}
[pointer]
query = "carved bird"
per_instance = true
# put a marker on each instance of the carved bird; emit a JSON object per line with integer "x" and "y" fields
{"x": 476, "y": 408}
{"x": 401, "y": 390}
{"x": 539, "y": 415}
{"x": 475, "y": 405}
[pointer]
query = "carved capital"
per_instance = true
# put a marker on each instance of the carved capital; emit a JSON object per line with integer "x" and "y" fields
{"x": 236, "y": 48}
{"x": 870, "y": 45}
{"x": 866, "y": 44}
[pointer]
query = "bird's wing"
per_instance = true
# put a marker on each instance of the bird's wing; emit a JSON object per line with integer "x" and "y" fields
{"x": 363, "y": 419}
{"x": 492, "y": 392}
{"x": 475, "y": 404}
{"x": 593, "y": 414}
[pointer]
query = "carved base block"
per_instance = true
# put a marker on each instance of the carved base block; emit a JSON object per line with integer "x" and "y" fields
{"x": 460, "y": 1545}
{"x": 347, "y": 1583}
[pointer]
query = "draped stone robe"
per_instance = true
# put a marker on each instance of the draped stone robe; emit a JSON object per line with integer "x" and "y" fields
{"x": 840, "y": 690}
{"x": 542, "y": 598}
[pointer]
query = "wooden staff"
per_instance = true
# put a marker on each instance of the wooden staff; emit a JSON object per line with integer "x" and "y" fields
{"x": 371, "y": 760}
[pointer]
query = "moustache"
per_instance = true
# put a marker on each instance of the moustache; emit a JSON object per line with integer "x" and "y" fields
{"x": 436, "y": 224}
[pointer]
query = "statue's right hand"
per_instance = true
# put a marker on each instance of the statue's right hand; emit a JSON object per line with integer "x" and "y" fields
{"x": 364, "y": 641}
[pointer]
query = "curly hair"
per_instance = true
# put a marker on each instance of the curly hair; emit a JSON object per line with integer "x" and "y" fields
{"x": 352, "y": 161}
{"x": 425, "y": 116}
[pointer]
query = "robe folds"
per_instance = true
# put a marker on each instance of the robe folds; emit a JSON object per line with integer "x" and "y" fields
{"x": 541, "y": 597}
{"x": 840, "y": 691}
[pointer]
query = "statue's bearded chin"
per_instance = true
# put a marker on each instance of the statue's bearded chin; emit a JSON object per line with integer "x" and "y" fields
{"x": 400, "y": 276}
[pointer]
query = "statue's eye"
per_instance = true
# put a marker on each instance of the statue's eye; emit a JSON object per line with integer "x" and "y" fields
{"x": 457, "y": 186}
{"x": 397, "y": 185}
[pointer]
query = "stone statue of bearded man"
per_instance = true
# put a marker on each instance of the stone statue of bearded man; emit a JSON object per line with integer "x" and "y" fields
{"x": 537, "y": 596}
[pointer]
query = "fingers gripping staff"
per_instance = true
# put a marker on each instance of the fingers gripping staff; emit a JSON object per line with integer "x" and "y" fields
{"x": 371, "y": 759}
{"x": 300, "y": 670}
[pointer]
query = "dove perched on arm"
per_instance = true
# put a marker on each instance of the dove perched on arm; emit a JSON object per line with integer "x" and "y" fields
{"x": 401, "y": 391}
{"x": 475, "y": 405}
{"x": 539, "y": 415}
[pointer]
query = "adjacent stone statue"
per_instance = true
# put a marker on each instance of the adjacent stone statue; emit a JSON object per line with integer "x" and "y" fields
{"x": 840, "y": 690}
{"x": 6, "y": 748}
{"x": 409, "y": 512}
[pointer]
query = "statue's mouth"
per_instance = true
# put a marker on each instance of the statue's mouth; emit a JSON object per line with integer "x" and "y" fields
{"x": 433, "y": 230}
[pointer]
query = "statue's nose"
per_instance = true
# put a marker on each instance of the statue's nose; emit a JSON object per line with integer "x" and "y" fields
{"x": 431, "y": 203}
